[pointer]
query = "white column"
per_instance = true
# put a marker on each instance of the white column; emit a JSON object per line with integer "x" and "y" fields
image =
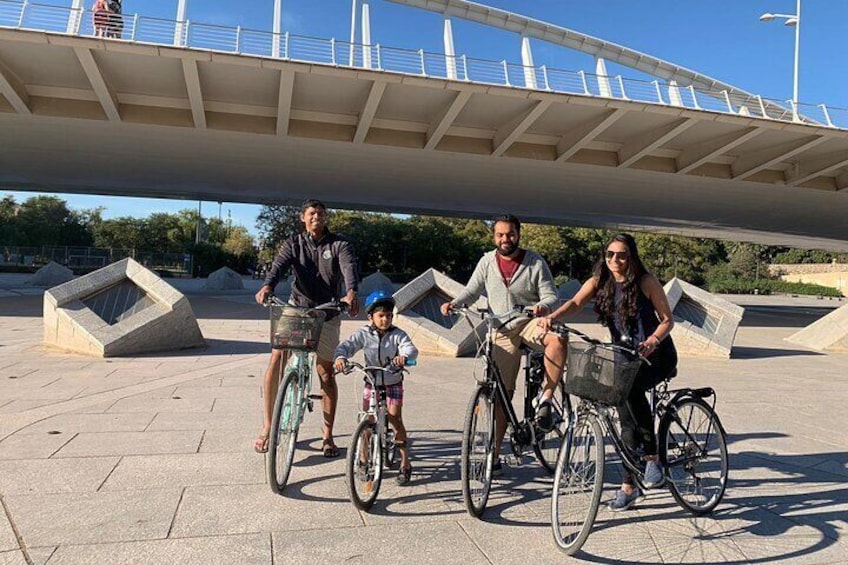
{"x": 450, "y": 52}
{"x": 795, "y": 114}
{"x": 75, "y": 19}
{"x": 352, "y": 31}
{"x": 179, "y": 30}
{"x": 278, "y": 24}
{"x": 366, "y": 34}
{"x": 603, "y": 78}
{"x": 674, "y": 94}
{"x": 527, "y": 61}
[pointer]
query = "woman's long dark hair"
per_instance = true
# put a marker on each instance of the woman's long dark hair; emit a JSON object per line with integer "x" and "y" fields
{"x": 628, "y": 309}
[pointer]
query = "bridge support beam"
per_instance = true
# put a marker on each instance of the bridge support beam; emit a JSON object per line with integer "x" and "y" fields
{"x": 809, "y": 169}
{"x": 446, "y": 117}
{"x": 14, "y": 90}
{"x": 195, "y": 94}
{"x": 284, "y": 102}
{"x": 510, "y": 132}
{"x": 107, "y": 98}
{"x": 580, "y": 136}
{"x": 753, "y": 163}
{"x": 366, "y": 117}
{"x": 642, "y": 145}
{"x": 450, "y": 53}
{"x": 691, "y": 159}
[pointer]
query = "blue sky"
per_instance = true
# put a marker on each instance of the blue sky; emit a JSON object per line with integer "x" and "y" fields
{"x": 720, "y": 38}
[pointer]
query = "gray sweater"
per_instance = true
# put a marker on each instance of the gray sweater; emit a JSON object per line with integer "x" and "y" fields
{"x": 532, "y": 284}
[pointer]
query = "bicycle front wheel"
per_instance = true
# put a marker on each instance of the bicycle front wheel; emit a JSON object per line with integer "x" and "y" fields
{"x": 478, "y": 442}
{"x": 365, "y": 464}
{"x": 693, "y": 449}
{"x": 284, "y": 428}
{"x": 578, "y": 483}
{"x": 547, "y": 444}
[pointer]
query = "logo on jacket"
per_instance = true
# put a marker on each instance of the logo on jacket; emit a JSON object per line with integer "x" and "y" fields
{"x": 327, "y": 254}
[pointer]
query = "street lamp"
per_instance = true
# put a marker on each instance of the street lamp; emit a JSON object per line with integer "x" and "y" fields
{"x": 791, "y": 20}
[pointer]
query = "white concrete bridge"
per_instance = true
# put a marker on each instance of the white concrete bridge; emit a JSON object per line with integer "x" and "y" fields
{"x": 181, "y": 109}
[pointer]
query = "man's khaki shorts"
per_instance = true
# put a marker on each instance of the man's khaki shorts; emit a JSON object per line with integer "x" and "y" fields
{"x": 506, "y": 350}
{"x": 329, "y": 340}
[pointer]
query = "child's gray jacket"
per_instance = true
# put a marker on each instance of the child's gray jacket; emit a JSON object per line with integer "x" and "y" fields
{"x": 379, "y": 350}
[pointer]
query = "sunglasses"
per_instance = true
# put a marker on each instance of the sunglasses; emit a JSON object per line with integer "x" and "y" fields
{"x": 618, "y": 254}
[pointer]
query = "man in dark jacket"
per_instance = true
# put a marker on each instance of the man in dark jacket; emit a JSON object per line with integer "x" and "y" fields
{"x": 325, "y": 269}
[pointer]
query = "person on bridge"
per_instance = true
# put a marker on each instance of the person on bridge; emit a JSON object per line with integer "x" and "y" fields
{"x": 101, "y": 18}
{"x": 325, "y": 269}
{"x": 511, "y": 276}
{"x": 631, "y": 302}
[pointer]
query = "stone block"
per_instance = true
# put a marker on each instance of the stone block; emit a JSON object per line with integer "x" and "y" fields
{"x": 120, "y": 310}
{"x": 704, "y": 324}
{"x": 418, "y": 314}
{"x": 224, "y": 279}
{"x": 51, "y": 274}
{"x": 829, "y": 333}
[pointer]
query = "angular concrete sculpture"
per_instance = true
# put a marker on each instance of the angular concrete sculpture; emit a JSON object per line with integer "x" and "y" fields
{"x": 224, "y": 279}
{"x": 119, "y": 310}
{"x": 51, "y": 274}
{"x": 828, "y": 333}
{"x": 568, "y": 289}
{"x": 704, "y": 325}
{"x": 418, "y": 314}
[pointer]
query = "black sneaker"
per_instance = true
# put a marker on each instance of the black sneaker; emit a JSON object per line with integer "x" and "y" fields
{"x": 497, "y": 468}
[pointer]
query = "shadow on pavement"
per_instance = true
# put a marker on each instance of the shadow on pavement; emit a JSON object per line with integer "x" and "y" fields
{"x": 766, "y": 353}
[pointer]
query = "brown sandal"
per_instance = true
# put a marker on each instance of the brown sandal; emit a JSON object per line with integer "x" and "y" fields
{"x": 404, "y": 476}
{"x": 260, "y": 444}
{"x": 329, "y": 448}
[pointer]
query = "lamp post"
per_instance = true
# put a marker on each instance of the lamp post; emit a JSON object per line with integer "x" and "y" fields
{"x": 791, "y": 20}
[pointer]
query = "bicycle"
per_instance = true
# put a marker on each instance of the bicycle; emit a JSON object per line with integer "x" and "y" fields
{"x": 478, "y": 437}
{"x": 691, "y": 440}
{"x": 372, "y": 445}
{"x": 296, "y": 330}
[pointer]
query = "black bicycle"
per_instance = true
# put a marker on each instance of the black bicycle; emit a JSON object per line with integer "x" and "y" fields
{"x": 478, "y": 436}
{"x": 692, "y": 442}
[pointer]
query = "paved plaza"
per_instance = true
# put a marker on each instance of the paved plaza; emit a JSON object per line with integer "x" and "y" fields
{"x": 150, "y": 459}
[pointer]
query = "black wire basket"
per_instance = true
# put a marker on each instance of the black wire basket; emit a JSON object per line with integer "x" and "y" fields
{"x": 295, "y": 328}
{"x": 599, "y": 374}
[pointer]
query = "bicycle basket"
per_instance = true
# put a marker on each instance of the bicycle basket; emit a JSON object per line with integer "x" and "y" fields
{"x": 598, "y": 374}
{"x": 295, "y": 328}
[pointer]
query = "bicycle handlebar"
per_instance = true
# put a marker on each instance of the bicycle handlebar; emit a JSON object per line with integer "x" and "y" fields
{"x": 350, "y": 366}
{"x": 336, "y": 305}
{"x": 562, "y": 330}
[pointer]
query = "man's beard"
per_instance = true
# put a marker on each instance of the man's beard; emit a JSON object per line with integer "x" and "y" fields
{"x": 507, "y": 249}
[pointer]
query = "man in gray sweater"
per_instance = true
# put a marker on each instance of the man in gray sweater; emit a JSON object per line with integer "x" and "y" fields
{"x": 510, "y": 275}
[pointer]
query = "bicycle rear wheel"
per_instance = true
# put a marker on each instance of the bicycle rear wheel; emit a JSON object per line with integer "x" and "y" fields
{"x": 478, "y": 442}
{"x": 578, "y": 483}
{"x": 365, "y": 465}
{"x": 547, "y": 444}
{"x": 693, "y": 449}
{"x": 284, "y": 427}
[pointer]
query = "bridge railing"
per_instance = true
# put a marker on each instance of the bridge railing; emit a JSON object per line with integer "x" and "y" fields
{"x": 194, "y": 35}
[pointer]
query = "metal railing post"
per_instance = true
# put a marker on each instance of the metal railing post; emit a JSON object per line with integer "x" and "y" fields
{"x": 286, "y": 50}
{"x": 135, "y": 27}
{"x": 826, "y": 116}
{"x": 621, "y": 86}
{"x": 659, "y": 92}
{"x": 582, "y": 75}
{"x": 238, "y": 38}
{"x": 379, "y": 58}
{"x": 23, "y": 12}
{"x": 545, "y": 76}
{"x": 423, "y": 68}
{"x": 333, "y": 51}
{"x": 506, "y": 73}
{"x": 727, "y": 99}
{"x": 694, "y": 97}
{"x": 762, "y": 106}
{"x": 465, "y": 68}
{"x": 185, "y": 33}
{"x": 796, "y": 117}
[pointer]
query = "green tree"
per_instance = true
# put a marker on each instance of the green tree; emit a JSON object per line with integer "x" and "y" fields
{"x": 276, "y": 223}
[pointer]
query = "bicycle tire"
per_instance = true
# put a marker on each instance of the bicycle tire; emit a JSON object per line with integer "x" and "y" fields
{"x": 365, "y": 477}
{"x": 284, "y": 428}
{"x": 578, "y": 484}
{"x": 547, "y": 445}
{"x": 693, "y": 450}
{"x": 478, "y": 438}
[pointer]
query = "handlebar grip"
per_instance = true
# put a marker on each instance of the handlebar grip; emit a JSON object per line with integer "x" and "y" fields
{"x": 411, "y": 363}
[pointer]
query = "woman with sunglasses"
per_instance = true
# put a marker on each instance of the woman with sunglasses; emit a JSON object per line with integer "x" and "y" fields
{"x": 631, "y": 302}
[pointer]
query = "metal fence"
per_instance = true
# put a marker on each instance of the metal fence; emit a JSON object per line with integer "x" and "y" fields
{"x": 144, "y": 29}
{"x": 85, "y": 259}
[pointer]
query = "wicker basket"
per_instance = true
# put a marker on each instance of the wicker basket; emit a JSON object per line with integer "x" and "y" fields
{"x": 295, "y": 328}
{"x": 598, "y": 374}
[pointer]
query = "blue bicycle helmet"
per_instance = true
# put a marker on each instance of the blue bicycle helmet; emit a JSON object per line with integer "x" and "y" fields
{"x": 378, "y": 298}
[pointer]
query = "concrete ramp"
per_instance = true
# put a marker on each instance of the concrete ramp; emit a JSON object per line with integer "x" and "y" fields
{"x": 51, "y": 274}
{"x": 827, "y": 334}
{"x": 418, "y": 314}
{"x": 704, "y": 324}
{"x": 120, "y": 310}
{"x": 224, "y": 279}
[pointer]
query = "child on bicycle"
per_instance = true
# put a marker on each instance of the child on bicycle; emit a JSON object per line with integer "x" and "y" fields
{"x": 383, "y": 345}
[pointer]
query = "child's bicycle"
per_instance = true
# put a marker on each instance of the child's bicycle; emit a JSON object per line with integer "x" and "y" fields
{"x": 691, "y": 440}
{"x": 372, "y": 446}
{"x": 478, "y": 436}
{"x": 297, "y": 331}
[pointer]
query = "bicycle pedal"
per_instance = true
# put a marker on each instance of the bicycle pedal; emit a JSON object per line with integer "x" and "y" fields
{"x": 316, "y": 397}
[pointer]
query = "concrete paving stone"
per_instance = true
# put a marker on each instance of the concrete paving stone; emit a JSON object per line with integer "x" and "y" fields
{"x": 76, "y": 423}
{"x": 40, "y": 555}
{"x": 223, "y": 510}
{"x": 434, "y": 544}
{"x": 12, "y": 558}
{"x": 32, "y": 446}
{"x": 813, "y": 549}
{"x": 131, "y": 443}
{"x": 166, "y": 421}
{"x": 252, "y": 549}
{"x": 8, "y": 540}
{"x": 94, "y": 517}
{"x": 161, "y": 402}
{"x": 162, "y": 471}
{"x": 15, "y": 406}
{"x": 40, "y": 476}
{"x": 228, "y": 441}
